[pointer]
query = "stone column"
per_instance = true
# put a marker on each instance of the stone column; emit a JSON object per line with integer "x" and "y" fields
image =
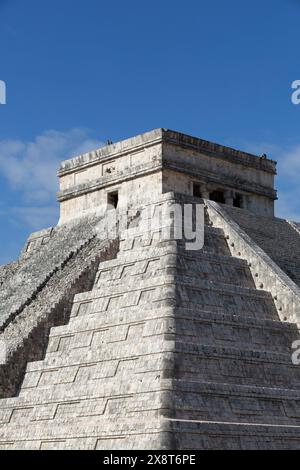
{"x": 228, "y": 198}
{"x": 247, "y": 203}
{"x": 204, "y": 192}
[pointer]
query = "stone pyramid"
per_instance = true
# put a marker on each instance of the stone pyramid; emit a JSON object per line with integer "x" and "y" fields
{"x": 124, "y": 339}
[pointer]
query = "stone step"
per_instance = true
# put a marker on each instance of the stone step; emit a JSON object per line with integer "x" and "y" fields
{"x": 215, "y": 267}
{"x": 179, "y": 280}
{"x": 110, "y": 342}
{"x": 184, "y": 434}
{"x": 201, "y": 327}
{"x": 103, "y": 364}
{"x": 126, "y": 383}
{"x": 41, "y": 389}
{"x": 154, "y": 318}
{"x": 144, "y": 241}
{"x": 224, "y": 298}
{"x": 179, "y": 399}
{"x": 110, "y": 355}
{"x": 42, "y": 264}
{"x": 146, "y": 293}
{"x": 214, "y": 241}
{"x": 188, "y": 401}
{"x": 229, "y": 365}
{"x": 118, "y": 317}
{"x": 119, "y": 273}
{"x": 218, "y": 435}
{"x": 234, "y": 403}
{"x": 277, "y": 237}
{"x": 182, "y": 360}
{"x": 125, "y": 257}
{"x": 202, "y": 264}
{"x": 85, "y": 433}
{"x": 234, "y": 331}
{"x": 111, "y": 406}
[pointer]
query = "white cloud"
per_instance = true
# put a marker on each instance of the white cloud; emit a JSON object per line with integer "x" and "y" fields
{"x": 289, "y": 163}
{"x": 31, "y": 167}
{"x": 288, "y": 204}
{"x": 35, "y": 217}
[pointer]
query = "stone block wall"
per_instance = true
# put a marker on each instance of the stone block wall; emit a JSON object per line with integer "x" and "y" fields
{"x": 157, "y": 347}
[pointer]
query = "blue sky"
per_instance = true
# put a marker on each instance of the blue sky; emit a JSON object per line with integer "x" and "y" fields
{"x": 81, "y": 72}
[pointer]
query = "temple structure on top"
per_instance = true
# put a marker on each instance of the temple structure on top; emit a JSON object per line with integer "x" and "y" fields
{"x": 163, "y": 161}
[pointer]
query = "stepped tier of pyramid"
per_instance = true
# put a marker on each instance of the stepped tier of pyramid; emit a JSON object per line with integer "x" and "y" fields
{"x": 124, "y": 339}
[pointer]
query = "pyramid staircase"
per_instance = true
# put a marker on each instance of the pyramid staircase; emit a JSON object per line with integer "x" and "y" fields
{"x": 171, "y": 349}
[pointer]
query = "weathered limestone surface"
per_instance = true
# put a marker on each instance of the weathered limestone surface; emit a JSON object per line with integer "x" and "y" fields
{"x": 25, "y": 337}
{"x": 211, "y": 368}
{"x": 279, "y": 238}
{"x": 161, "y": 161}
{"x": 136, "y": 343}
{"x": 42, "y": 257}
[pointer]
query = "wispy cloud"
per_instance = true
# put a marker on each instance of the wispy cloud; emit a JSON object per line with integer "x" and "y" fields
{"x": 288, "y": 204}
{"x": 30, "y": 168}
{"x": 35, "y": 217}
{"x": 289, "y": 163}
